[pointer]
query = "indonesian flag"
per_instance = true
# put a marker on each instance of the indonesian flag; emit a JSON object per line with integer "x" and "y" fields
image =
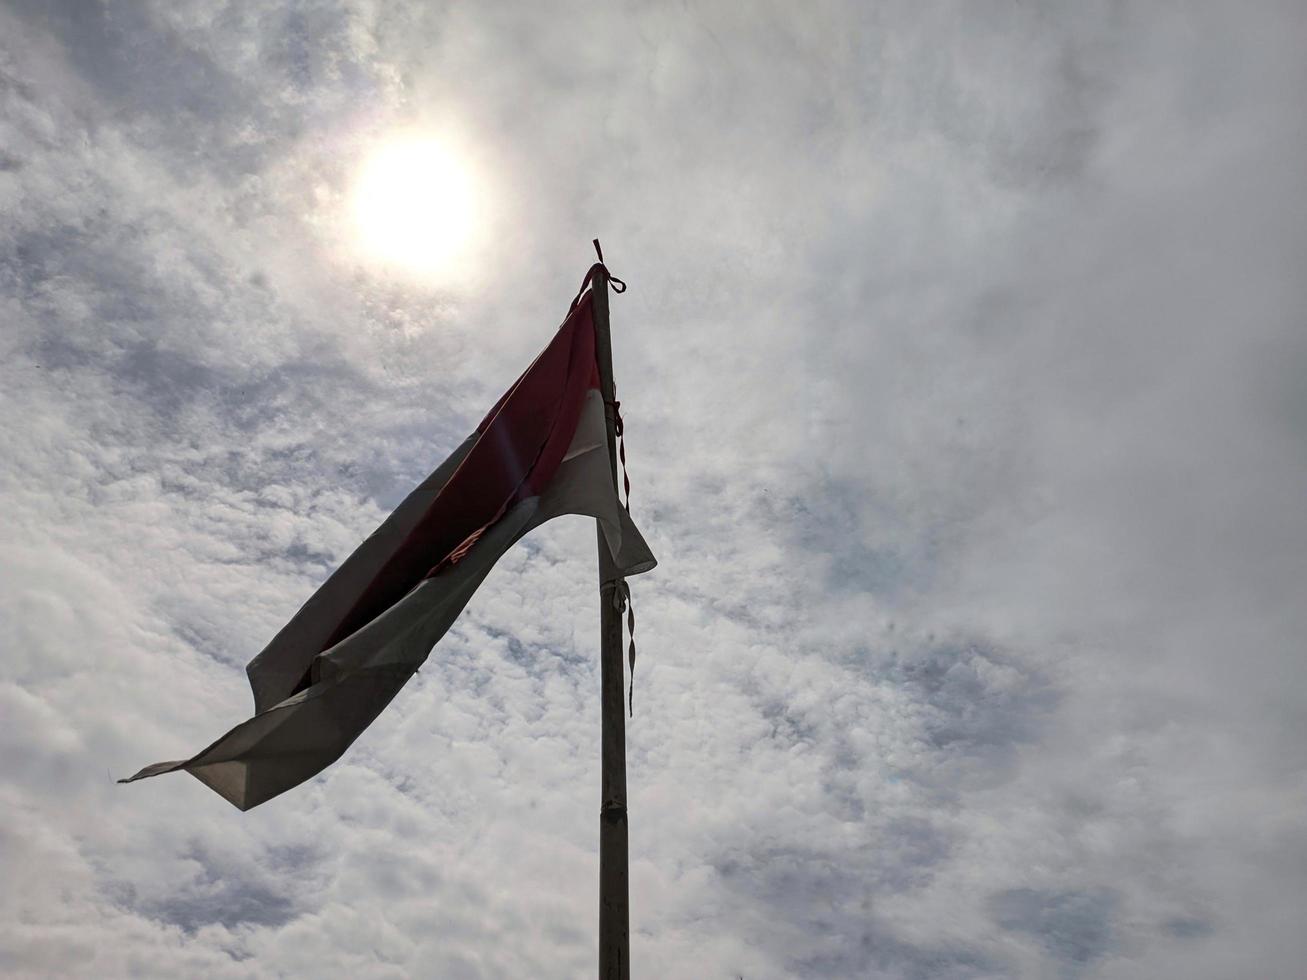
{"x": 540, "y": 453}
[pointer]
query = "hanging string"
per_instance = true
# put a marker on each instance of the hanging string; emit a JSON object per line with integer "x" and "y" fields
{"x": 624, "y": 593}
{"x": 622, "y": 603}
{"x": 630, "y": 655}
{"x": 619, "y": 431}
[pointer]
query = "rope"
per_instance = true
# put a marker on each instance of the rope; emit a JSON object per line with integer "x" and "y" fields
{"x": 619, "y": 430}
{"x": 622, "y": 603}
{"x": 618, "y": 285}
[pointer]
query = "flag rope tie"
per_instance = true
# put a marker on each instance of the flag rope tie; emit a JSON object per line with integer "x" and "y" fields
{"x": 622, "y": 602}
{"x": 618, "y": 285}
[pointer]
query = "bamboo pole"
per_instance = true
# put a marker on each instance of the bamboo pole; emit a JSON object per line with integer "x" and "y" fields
{"x": 614, "y": 874}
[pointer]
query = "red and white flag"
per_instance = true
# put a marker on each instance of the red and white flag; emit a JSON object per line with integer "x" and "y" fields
{"x": 540, "y": 453}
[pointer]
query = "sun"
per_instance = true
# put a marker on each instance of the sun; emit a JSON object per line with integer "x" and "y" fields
{"x": 415, "y": 205}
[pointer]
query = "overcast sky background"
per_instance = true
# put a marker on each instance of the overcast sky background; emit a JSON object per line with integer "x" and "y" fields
{"x": 963, "y": 365}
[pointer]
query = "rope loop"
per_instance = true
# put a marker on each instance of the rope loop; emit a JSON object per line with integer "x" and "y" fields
{"x": 618, "y": 285}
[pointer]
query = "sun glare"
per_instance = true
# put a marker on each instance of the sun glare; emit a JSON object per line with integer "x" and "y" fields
{"x": 415, "y": 205}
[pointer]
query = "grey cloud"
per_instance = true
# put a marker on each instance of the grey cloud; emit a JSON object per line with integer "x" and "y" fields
{"x": 221, "y": 900}
{"x": 119, "y": 50}
{"x": 826, "y": 922}
{"x": 1189, "y": 928}
{"x": 1076, "y": 927}
{"x": 979, "y": 709}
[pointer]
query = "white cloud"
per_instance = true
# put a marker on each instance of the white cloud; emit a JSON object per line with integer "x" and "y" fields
{"x": 961, "y": 372}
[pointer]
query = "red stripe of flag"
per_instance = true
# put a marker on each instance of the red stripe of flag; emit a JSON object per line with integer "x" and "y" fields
{"x": 522, "y": 441}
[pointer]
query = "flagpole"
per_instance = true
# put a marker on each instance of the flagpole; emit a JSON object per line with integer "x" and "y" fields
{"x": 614, "y": 874}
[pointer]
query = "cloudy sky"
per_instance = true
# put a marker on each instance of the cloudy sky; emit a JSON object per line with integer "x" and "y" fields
{"x": 963, "y": 367}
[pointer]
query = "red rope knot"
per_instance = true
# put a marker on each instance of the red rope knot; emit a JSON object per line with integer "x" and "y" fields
{"x": 618, "y": 285}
